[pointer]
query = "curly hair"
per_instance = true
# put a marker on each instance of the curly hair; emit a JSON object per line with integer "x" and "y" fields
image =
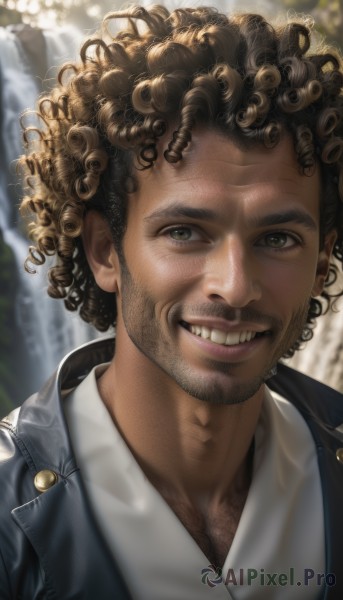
{"x": 237, "y": 73}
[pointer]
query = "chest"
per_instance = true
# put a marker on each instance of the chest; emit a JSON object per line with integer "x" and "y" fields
{"x": 213, "y": 531}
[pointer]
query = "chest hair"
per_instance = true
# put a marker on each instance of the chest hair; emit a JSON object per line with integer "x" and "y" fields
{"x": 214, "y": 531}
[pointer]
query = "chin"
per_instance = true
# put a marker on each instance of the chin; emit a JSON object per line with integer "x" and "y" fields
{"x": 222, "y": 393}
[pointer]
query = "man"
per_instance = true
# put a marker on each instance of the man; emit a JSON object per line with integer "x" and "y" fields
{"x": 187, "y": 177}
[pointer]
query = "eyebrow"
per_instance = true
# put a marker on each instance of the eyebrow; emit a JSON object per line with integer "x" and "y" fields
{"x": 288, "y": 216}
{"x": 180, "y": 210}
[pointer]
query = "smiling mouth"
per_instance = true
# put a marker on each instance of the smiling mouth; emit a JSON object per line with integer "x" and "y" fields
{"x": 223, "y": 338}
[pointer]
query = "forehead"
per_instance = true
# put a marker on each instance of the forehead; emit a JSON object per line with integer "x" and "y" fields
{"x": 215, "y": 169}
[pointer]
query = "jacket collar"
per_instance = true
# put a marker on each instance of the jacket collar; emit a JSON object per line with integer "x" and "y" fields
{"x": 41, "y": 417}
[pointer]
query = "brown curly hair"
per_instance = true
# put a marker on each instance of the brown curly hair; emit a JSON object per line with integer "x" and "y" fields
{"x": 238, "y": 74}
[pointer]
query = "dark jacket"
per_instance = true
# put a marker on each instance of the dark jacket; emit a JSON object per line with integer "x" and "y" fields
{"x": 50, "y": 546}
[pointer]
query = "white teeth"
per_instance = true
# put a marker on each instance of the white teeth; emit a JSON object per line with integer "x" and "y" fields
{"x": 217, "y": 336}
{"x": 232, "y": 339}
{"x": 205, "y": 333}
{"x": 220, "y": 337}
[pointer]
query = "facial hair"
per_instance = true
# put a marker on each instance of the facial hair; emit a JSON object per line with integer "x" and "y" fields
{"x": 146, "y": 333}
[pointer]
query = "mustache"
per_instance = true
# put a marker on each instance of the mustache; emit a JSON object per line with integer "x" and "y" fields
{"x": 221, "y": 311}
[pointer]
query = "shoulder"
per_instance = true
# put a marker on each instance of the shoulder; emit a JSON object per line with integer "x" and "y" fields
{"x": 310, "y": 396}
{"x": 17, "y": 470}
{"x": 320, "y": 405}
{"x": 35, "y": 434}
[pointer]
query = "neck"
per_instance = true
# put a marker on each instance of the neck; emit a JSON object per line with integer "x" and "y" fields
{"x": 189, "y": 449}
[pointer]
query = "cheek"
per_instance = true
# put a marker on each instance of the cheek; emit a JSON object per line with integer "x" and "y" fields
{"x": 290, "y": 285}
{"x": 165, "y": 274}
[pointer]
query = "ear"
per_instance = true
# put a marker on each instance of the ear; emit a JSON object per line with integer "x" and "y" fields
{"x": 323, "y": 263}
{"x": 100, "y": 252}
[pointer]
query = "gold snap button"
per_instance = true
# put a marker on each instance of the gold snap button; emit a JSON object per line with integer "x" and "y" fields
{"x": 44, "y": 480}
{"x": 339, "y": 455}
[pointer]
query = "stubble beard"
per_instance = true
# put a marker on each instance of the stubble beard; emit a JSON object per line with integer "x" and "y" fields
{"x": 138, "y": 310}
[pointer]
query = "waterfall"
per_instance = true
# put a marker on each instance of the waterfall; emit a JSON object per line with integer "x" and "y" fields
{"x": 42, "y": 331}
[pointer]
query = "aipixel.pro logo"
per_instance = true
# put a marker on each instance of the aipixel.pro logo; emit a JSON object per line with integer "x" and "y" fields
{"x": 211, "y": 576}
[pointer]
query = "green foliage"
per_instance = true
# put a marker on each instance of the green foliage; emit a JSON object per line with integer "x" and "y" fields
{"x": 328, "y": 15}
{"x": 301, "y": 5}
{"x": 8, "y": 285}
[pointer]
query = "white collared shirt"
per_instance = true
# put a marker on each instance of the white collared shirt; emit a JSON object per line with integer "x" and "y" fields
{"x": 279, "y": 541}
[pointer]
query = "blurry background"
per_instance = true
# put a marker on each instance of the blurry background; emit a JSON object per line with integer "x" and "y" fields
{"x": 36, "y": 36}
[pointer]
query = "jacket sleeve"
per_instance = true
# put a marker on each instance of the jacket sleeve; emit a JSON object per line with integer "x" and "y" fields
{"x": 21, "y": 575}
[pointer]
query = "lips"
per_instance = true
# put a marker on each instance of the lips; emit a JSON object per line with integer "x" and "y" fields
{"x": 223, "y": 338}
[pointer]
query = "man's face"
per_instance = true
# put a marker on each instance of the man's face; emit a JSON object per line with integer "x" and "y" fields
{"x": 221, "y": 254}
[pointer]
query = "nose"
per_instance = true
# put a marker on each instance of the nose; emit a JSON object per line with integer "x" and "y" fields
{"x": 232, "y": 275}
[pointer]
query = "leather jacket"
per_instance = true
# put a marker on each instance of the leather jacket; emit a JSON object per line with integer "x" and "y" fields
{"x": 50, "y": 545}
